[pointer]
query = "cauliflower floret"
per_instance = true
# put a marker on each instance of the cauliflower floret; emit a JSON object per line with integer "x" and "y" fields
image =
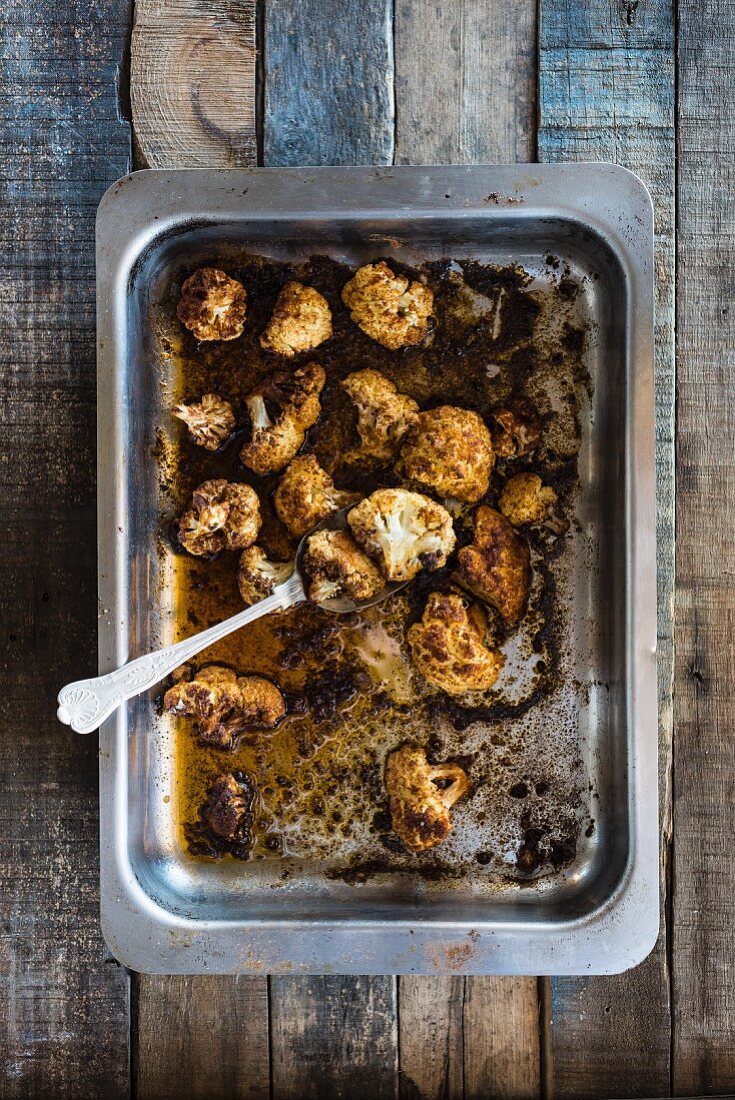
{"x": 525, "y": 499}
{"x": 209, "y": 423}
{"x": 448, "y": 646}
{"x": 405, "y": 532}
{"x": 383, "y": 415}
{"x": 339, "y": 569}
{"x": 224, "y": 515}
{"x": 450, "y": 451}
{"x": 275, "y": 442}
{"x": 228, "y": 810}
{"x": 496, "y": 565}
{"x": 257, "y": 576}
{"x": 419, "y": 809}
{"x": 212, "y": 305}
{"x": 225, "y": 704}
{"x": 516, "y": 430}
{"x": 306, "y": 495}
{"x": 301, "y": 321}
{"x": 211, "y": 694}
{"x": 387, "y": 307}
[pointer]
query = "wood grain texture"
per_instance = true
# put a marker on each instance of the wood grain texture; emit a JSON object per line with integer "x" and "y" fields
{"x": 703, "y": 948}
{"x": 606, "y": 92}
{"x": 192, "y": 83}
{"x": 63, "y": 1000}
{"x": 328, "y": 83}
{"x": 430, "y": 1038}
{"x": 502, "y": 1057}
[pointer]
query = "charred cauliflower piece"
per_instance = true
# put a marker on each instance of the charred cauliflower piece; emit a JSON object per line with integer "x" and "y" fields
{"x": 449, "y": 451}
{"x": 383, "y": 414}
{"x": 212, "y": 305}
{"x": 306, "y": 495}
{"x": 228, "y": 810}
{"x": 209, "y": 422}
{"x": 448, "y": 646}
{"x": 419, "y": 809}
{"x": 257, "y": 576}
{"x": 225, "y": 705}
{"x": 496, "y": 565}
{"x": 339, "y": 569}
{"x": 301, "y": 321}
{"x": 516, "y": 430}
{"x": 296, "y": 397}
{"x": 388, "y": 307}
{"x": 405, "y": 532}
{"x": 525, "y": 499}
{"x": 224, "y": 515}
{"x": 212, "y": 694}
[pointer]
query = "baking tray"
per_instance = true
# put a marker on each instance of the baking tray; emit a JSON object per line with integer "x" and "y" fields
{"x": 163, "y": 912}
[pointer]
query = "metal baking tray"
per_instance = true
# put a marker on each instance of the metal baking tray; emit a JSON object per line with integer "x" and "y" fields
{"x": 163, "y": 912}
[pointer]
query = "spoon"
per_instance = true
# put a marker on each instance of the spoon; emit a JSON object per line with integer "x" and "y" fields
{"x": 85, "y": 704}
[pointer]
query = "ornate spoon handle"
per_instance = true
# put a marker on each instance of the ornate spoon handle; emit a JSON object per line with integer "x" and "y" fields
{"x": 85, "y": 704}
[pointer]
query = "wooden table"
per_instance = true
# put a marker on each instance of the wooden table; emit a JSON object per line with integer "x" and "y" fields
{"x": 361, "y": 81}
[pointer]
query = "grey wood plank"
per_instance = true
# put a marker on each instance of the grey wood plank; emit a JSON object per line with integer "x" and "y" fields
{"x": 703, "y": 946}
{"x": 606, "y": 92}
{"x": 430, "y": 1039}
{"x": 63, "y": 1000}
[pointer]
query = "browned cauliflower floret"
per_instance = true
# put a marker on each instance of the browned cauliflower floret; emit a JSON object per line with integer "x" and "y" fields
{"x": 525, "y": 499}
{"x": 224, "y": 515}
{"x": 419, "y": 809}
{"x": 257, "y": 576}
{"x": 301, "y": 321}
{"x": 209, "y": 423}
{"x": 387, "y": 307}
{"x": 450, "y": 451}
{"x": 212, "y": 305}
{"x": 405, "y": 532}
{"x": 228, "y": 810}
{"x": 296, "y": 397}
{"x": 306, "y": 495}
{"x": 448, "y": 646}
{"x": 383, "y": 415}
{"x": 225, "y": 704}
{"x": 212, "y": 694}
{"x": 516, "y": 430}
{"x": 496, "y": 565}
{"x": 339, "y": 569}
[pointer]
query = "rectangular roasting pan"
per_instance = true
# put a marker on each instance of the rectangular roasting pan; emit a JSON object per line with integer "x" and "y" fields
{"x": 165, "y": 913}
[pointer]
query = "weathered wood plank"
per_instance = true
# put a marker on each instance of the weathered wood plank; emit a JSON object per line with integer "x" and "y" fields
{"x": 334, "y": 1038}
{"x": 501, "y": 1039}
{"x": 328, "y": 83}
{"x": 606, "y": 93}
{"x": 63, "y": 1001}
{"x": 430, "y": 1014}
{"x": 703, "y": 957}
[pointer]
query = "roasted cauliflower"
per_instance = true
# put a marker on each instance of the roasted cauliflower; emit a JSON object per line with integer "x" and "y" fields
{"x": 223, "y": 515}
{"x": 383, "y": 415}
{"x": 300, "y": 321}
{"x": 212, "y": 305}
{"x": 296, "y": 396}
{"x": 448, "y": 646}
{"x": 525, "y": 499}
{"x": 306, "y": 495}
{"x": 405, "y": 532}
{"x": 496, "y": 565}
{"x": 257, "y": 577}
{"x": 338, "y": 568}
{"x": 388, "y": 307}
{"x": 449, "y": 451}
{"x": 225, "y": 704}
{"x": 516, "y": 430}
{"x": 209, "y": 422}
{"x": 228, "y": 810}
{"x": 419, "y": 809}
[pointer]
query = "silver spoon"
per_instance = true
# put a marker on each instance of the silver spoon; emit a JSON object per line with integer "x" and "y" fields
{"x": 85, "y": 704}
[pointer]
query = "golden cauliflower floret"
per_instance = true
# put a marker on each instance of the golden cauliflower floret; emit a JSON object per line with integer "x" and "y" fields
{"x": 496, "y": 566}
{"x": 338, "y": 569}
{"x": 419, "y": 809}
{"x": 405, "y": 532}
{"x": 294, "y": 400}
{"x": 516, "y": 430}
{"x": 300, "y": 321}
{"x": 388, "y": 307}
{"x": 383, "y": 414}
{"x": 212, "y": 305}
{"x": 449, "y": 451}
{"x": 223, "y": 515}
{"x": 229, "y": 807}
{"x": 211, "y": 694}
{"x": 448, "y": 646}
{"x": 225, "y": 705}
{"x": 306, "y": 495}
{"x": 525, "y": 499}
{"x": 209, "y": 422}
{"x": 257, "y": 576}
